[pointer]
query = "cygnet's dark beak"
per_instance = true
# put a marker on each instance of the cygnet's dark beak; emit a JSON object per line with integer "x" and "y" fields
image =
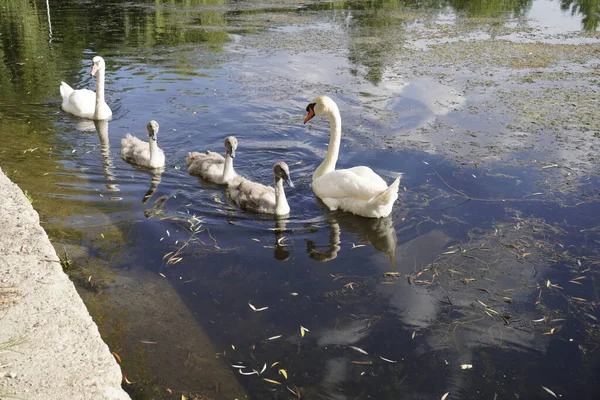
{"x": 232, "y": 153}
{"x": 289, "y": 182}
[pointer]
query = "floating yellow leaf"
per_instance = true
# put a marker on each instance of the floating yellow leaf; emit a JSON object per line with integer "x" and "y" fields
{"x": 414, "y": 334}
{"x": 117, "y": 356}
{"x": 445, "y": 395}
{"x": 271, "y": 381}
{"x": 579, "y": 299}
{"x": 466, "y": 366}
{"x": 127, "y": 381}
{"x": 350, "y": 285}
{"x": 274, "y": 364}
{"x": 161, "y": 274}
{"x": 392, "y": 274}
{"x": 283, "y": 372}
{"x": 550, "y": 332}
{"x": 303, "y": 330}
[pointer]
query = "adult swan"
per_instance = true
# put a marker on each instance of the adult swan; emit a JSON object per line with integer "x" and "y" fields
{"x": 84, "y": 102}
{"x": 358, "y": 190}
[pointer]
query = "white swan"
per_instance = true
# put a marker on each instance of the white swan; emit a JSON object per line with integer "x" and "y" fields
{"x": 146, "y": 154}
{"x": 358, "y": 190}
{"x": 256, "y": 197}
{"x": 212, "y": 166}
{"x": 85, "y": 103}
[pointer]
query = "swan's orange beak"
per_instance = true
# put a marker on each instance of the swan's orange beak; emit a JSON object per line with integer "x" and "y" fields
{"x": 311, "y": 113}
{"x": 94, "y": 69}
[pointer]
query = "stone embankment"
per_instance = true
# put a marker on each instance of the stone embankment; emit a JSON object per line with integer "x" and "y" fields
{"x": 50, "y": 347}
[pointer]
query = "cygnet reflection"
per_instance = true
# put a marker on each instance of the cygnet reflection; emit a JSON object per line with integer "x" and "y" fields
{"x": 155, "y": 181}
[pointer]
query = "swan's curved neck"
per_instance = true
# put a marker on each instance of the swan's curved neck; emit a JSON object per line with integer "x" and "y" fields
{"x": 281, "y": 205}
{"x": 99, "y": 91}
{"x": 335, "y": 127}
{"x": 228, "y": 168}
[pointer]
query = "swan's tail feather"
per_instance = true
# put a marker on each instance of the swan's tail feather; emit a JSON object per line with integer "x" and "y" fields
{"x": 191, "y": 157}
{"x": 390, "y": 194}
{"x": 65, "y": 90}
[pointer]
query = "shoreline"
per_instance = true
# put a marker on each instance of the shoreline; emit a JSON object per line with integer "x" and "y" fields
{"x": 49, "y": 345}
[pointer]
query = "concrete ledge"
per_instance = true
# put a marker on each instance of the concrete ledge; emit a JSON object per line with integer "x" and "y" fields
{"x": 58, "y": 352}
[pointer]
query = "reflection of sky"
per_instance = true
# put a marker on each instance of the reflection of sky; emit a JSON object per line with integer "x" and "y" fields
{"x": 548, "y": 15}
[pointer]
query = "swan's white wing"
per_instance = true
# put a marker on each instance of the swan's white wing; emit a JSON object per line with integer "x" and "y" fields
{"x": 358, "y": 182}
{"x": 80, "y": 102}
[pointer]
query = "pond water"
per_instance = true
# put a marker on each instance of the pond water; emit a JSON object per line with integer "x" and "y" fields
{"x": 480, "y": 284}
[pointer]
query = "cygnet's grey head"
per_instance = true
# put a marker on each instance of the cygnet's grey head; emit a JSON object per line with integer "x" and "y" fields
{"x": 282, "y": 171}
{"x": 231, "y": 145}
{"x": 152, "y": 129}
{"x": 97, "y": 66}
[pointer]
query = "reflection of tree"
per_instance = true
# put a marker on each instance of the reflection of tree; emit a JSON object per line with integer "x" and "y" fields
{"x": 32, "y": 67}
{"x": 589, "y": 9}
{"x": 491, "y": 8}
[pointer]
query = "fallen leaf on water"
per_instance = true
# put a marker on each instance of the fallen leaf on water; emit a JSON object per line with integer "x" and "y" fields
{"x": 575, "y": 282}
{"x": 578, "y": 278}
{"x": 525, "y": 255}
{"x": 482, "y": 303}
{"x": 283, "y": 372}
{"x": 102, "y": 235}
{"x": 356, "y": 246}
{"x": 414, "y": 334}
{"x": 271, "y": 381}
{"x": 274, "y": 364}
{"x": 183, "y": 397}
{"x": 274, "y": 337}
{"x": 293, "y": 294}
{"x": 296, "y": 392}
{"x": 550, "y": 332}
{"x": 247, "y": 373}
{"x": 579, "y": 299}
{"x": 548, "y": 283}
{"x": 233, "y": 347}
{"x": 392, "y": 274}
{"x": 350, "y": 285}
{"x": 264, "y": 368}
{"x": 549, "y": 391}
{"x": 445, "y": 395}
{"x": 256, "y": 240}
{"x": 303, "y": 330}
{"x": 358, "y": 349}
{"x": 127, "y": 381}
{"x": 161, "y": 274}
{"x": 466, "y": 366}
{"x": 117, "y": 356}
{"x": 257, "y": 309}
{"x": 450, "y": 252}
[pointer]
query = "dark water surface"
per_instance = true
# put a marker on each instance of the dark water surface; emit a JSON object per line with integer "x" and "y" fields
{"x": 442, "y": 296}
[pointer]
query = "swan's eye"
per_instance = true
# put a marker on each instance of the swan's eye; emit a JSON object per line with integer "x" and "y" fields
{"x": 310, "y": 107}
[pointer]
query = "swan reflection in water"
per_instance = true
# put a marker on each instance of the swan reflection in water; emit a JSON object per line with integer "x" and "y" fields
{"x": 380, "y": 232}
{"x": 156, "y": 178}
{"x": 108, "y": 166}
